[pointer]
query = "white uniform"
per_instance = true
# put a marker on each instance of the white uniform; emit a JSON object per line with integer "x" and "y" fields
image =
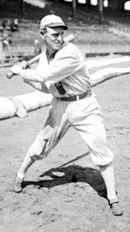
{"x": 65, "y": 74}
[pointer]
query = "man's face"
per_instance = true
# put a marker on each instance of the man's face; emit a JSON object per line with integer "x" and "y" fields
{"x": 54, "y": 38}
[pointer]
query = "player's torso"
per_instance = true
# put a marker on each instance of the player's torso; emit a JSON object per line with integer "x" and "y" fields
{"x": 73, "y": 84}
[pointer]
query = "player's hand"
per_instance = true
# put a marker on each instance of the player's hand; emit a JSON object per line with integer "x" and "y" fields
{"x": 24, "y": 64}
{"x": 16, "y": 69}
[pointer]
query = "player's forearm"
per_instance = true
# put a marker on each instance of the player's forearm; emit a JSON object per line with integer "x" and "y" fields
{"x": 31, "y": 75}
{"x": 38, "y": 86}
{"x": 56, "y": 71}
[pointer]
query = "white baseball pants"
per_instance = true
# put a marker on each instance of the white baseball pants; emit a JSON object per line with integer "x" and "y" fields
{"x": 85, "y": 116}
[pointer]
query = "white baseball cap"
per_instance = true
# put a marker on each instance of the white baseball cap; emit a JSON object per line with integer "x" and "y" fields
{"x": 52, "y": 21}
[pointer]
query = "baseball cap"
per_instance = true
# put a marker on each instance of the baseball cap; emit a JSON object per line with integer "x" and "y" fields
{"x": 52, "y": 21}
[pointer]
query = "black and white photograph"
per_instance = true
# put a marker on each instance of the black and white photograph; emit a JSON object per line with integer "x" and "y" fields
{"x": 64, "y": 116}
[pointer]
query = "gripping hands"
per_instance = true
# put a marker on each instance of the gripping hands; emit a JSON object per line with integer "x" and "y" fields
{"x": 16, "y": 69}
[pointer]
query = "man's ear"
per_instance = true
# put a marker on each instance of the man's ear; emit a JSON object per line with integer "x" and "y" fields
{"x": 42, "y": 34}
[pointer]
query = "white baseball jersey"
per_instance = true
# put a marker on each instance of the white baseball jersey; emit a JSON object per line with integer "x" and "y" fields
{"x": 67, "y": 67}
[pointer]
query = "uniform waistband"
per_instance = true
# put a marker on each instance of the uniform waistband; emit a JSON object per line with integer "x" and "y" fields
{"x": 77, "y": 97}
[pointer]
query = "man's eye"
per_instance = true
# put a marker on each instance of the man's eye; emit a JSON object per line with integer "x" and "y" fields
{"x": 55, "y": 35}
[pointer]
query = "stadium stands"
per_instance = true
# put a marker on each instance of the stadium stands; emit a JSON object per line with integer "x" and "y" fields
{"x": 110, "y": 37}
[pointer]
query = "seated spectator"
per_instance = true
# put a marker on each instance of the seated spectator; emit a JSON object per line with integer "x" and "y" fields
{"x": 14, "y": 25}
{"x": 37, "y": 47}
{"x": 3, "y": 25}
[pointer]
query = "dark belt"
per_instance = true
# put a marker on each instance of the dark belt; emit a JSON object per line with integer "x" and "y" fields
{"x": 77, "y": 97}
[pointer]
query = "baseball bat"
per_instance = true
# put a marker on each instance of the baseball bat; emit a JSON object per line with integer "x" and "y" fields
{"x": 69, "y": 38}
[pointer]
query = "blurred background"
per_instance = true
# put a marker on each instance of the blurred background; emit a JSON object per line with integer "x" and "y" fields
{"x": 101, "y": 27}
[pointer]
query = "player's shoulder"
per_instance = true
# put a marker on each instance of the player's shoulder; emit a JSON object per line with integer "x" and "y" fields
{"x": 69, "y": 48}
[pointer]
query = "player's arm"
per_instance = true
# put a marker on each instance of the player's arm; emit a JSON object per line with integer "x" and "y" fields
{"x": 64, "y": 65}
{"x": 38, "y": 86}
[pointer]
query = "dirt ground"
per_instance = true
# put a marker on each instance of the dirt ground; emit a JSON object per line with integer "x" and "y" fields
{"x": 64, "y": 192}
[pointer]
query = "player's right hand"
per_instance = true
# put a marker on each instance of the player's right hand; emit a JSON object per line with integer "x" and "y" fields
{"x": 18, "y": 67}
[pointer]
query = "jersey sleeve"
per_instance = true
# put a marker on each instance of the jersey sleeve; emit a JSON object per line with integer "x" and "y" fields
{"x": 67, "y": 61}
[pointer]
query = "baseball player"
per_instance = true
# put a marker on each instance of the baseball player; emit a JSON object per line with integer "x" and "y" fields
{"x": 63, "y": 73}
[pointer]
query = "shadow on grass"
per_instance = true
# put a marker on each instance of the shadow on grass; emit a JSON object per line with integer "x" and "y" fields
{"x": 71, "y": 173}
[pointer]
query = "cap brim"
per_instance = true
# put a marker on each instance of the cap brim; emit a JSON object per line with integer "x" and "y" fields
{"x": 57, "y": 25}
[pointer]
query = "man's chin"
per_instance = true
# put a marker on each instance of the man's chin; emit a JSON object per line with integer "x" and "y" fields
{"x": 57, "y": 47}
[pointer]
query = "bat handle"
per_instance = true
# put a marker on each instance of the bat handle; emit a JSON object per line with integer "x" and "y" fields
{"x": 9, "y": 75}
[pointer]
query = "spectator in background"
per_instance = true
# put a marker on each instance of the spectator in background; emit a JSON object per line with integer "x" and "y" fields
{"x": 3, "y": 24}
{"x": 6, "y": 29}
{"x": 13, "y": 25}
{"x": 37, "y": 47}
